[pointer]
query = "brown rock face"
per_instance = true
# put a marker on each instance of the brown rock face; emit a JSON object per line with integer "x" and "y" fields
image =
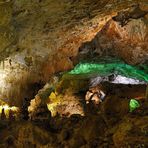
{"x": 129, "y": 42}
{"x": 54, "y": 28}
{"x": 132, "y": 132}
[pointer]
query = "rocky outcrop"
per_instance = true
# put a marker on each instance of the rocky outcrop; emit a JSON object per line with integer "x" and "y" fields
{"x": 113, "y": 126}
{"x": 128, "y": 42}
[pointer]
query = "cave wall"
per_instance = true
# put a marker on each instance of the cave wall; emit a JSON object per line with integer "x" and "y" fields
{"x": 129, "y": 42}
{"x": 42, "y": 37}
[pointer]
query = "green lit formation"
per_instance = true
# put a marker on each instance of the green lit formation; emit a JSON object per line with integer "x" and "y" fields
{"x": 133, "y": 105}
{"x": 105, "y": 68}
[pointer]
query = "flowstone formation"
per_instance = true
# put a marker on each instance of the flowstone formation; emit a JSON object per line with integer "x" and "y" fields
{"x": 59, "y": 100}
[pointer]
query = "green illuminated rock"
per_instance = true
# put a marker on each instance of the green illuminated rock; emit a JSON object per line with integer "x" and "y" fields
{"x": 108, "y": 67}
{"x": 133, "y": 104}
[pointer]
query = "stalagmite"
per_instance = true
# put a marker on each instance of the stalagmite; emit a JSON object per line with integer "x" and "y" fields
{"x": 3, "y": 115}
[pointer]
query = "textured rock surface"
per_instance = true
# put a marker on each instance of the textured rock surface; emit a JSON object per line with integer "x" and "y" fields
{"x": 39, "y": 38}
{"x": 48, "y": 28}
{"x": 110, "y": 125}
{"x": 43, "y": 37}
{"x": 132, "y": 132}
{"x": 128, "y": 42}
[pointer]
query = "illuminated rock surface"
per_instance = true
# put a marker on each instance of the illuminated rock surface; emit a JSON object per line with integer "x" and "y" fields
{"x": 106, "y": 68}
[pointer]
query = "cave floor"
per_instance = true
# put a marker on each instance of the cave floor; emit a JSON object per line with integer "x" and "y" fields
{"x": 108, "y": 125}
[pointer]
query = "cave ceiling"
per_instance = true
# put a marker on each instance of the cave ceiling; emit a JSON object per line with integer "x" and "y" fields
{"x": 41, "y": 37}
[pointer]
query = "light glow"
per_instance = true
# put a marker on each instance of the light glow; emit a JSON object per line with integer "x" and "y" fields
{"x": 107, "y": 68}
{"x": 118, "y": 79}
{"x": 2, "y": 77}
{"x": 7, "y": 108}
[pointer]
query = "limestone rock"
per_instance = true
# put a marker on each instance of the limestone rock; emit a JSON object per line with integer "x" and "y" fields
{"x": 5, "y": 12}
{"x": 132, "y": 132}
